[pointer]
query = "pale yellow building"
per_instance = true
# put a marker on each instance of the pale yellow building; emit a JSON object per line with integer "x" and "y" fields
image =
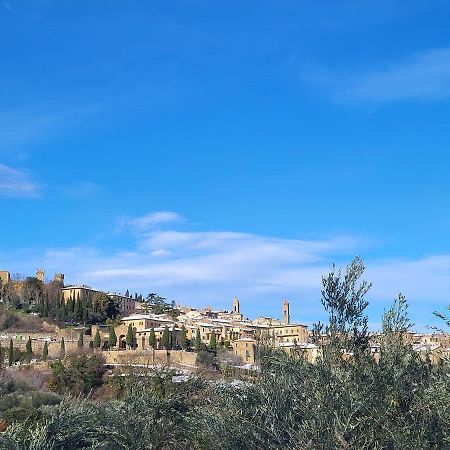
{"x": 289, "y": 333}
{"x": 246, "y": 349}
{"x": 126, "y": 304}
{"x": 306, "y": 350}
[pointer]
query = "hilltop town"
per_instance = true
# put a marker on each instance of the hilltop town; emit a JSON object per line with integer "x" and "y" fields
{"x": 125, "y": 327}
{"x": 86, "y": 366}
{"x": 150, "y": 318}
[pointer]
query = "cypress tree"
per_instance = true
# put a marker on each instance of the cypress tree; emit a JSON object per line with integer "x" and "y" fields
{"x": 77, "y": 309}
{"x": 129, "y": 338}
{"x": 81, "y": 340}
{"x": 69, "y": 306}
{"x": 45, "y": 352}
{"x": 165, "y": 338}
{"x": 85, "y": 312}
{"x": 198, "y": 340}
{"x": 63, "y": 348}
{"x": 63, "y": 312}
{"x": 213, "y": 341}
{"x": 28, "y": 350}
{"x": 183, "y": 339}
{"x": 10, "y": 353}
{"x": 97, "y": 341}
{"x": 173, "y": 338}
{"x": 46, "y": 306}
{"x": 152, "y": 338}
{"x": 112, "y": 338}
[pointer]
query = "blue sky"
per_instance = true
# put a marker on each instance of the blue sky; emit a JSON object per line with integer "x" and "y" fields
{"x": 204, "y": 150}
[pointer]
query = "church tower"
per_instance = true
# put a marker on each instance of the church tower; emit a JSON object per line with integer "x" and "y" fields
{"x": 286, "y": 314}
{"x": 236, "y": 309}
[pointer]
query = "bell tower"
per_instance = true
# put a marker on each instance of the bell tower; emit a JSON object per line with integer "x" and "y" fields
{"x": 286, "y": 313}
{"x": 236, "y": 309}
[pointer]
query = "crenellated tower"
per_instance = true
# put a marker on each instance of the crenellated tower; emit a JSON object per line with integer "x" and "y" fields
{"x": 40, "y": 274}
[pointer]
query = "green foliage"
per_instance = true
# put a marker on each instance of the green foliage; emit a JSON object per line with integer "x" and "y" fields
{"x": 165, "y": 339}
{"x": 77, "y": 374}
{"x": 158, "y": 305}
{"x": 445, "y": 318}
{"x": 81, "y": 340}
{"x": 97, "y": 341}
{"x": 32, "y": 292}
{"x": 152, "y": 338}
{"x": 183, "y": 338}
{"x": 173, "y": 338}
{"x": 213, "y": 341}
{"x": 11, "y": 353}
{"x": 20, "y": 402}
{"x": 103, "y": 307}
{"x": 130, "y": 337}
{"x": 29, "y": 350}
{"x": 112, "y": 338}
{"x": 154, "y": 414}
{"x": 206, "y": 359}
{"x": 198, "y": 341}
{"x": 45, "y": 352}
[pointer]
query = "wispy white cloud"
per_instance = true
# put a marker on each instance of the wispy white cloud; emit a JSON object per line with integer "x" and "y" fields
{"x": 211, "y": 267}
{"x": 17, "y": 183}
{"x": 423, "y": 76}
{"x": 82, "y": 189}
{"x": 151, "y": 220}
{"x": 40, "y": 122}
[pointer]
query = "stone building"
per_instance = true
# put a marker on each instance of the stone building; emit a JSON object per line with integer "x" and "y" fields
{"x": 5, "y": 276}
{"x": 126, "y": 304}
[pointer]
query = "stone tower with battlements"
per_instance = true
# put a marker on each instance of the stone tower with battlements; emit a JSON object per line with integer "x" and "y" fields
{"x": 40, "y": 274}
{"x": 59, "y": 277}
{"x": 5, "y": 277}
{"x": 286, "y": 313}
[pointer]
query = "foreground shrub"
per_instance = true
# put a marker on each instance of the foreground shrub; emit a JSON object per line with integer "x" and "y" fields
{"x": 77, "y": 374}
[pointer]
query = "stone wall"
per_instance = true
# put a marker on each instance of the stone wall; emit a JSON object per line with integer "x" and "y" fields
{"x": 146, "y": 357}
{"x": 151, "y": 357}
{"x": 38, "y": 342}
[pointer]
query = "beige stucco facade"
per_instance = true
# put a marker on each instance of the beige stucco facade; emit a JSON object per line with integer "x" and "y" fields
{"x": 246, "y": 349}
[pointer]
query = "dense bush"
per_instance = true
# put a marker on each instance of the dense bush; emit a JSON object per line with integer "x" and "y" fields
{"x": 19, "y": 401}
{"x": 77, "y": 374}
{"x": 206, "y": 359}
